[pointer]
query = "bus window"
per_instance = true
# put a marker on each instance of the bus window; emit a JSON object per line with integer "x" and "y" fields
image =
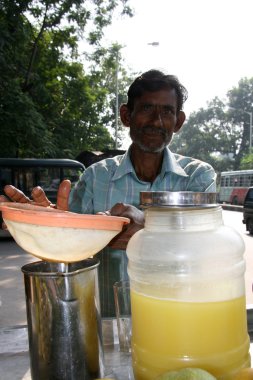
{"x": 29, "y": 180}
{"x": 22, "y": 179}
{"x": 233, "y": 181}
{"x": 71, "y": 174}
{"x": 49, "y": 178}
{"x": 5, "y": 177}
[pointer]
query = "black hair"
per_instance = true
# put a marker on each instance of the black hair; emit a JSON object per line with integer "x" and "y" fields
{"x": 155, "y": 80}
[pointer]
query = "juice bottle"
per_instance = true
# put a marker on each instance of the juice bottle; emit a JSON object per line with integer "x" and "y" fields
{"x": 186, "y": 274}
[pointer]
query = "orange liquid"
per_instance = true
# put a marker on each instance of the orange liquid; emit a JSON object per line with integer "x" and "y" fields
{"x": 168, "y": 335}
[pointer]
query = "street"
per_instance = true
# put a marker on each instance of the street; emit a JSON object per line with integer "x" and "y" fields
{"x": 12, "y": 258}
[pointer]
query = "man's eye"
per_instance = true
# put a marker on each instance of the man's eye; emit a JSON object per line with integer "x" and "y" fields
{"x": 147, "y": 108}
{"x": 167, "y": 110}
{"x": 162, "y": 110}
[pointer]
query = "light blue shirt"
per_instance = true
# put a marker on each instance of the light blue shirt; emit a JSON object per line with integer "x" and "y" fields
{"x": 114, "y": 180}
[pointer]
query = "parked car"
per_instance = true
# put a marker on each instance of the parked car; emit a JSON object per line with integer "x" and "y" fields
{"x": 248, "y": 210}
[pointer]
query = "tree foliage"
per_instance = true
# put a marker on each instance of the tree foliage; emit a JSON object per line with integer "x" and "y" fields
{"x": 247, "y": 162}
{"x": 219, "y": 134}
{"x": 49, "y": 106}
{"x": 112, "y": 71}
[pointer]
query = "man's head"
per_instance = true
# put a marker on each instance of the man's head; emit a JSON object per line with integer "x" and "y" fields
{"x": 154, "y": 110}
{"x": 155, "y": 80}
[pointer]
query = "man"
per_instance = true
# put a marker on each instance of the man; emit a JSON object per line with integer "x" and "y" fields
{"x": 153, "y": 114}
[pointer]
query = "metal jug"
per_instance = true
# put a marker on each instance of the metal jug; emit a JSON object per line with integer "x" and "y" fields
{"x": 64, "y": 324}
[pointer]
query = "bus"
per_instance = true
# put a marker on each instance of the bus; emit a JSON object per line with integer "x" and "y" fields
{"x": 234, "y": 186}
{"x": 27, "y": 173}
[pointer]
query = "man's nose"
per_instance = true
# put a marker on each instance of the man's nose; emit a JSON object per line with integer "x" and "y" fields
{"x": 156, "y": 117}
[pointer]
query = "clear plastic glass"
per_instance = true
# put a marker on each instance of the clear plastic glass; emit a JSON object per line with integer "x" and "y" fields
{"x": 186, "y": 272}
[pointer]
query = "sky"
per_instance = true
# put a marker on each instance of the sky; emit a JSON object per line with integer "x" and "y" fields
{"x": 207, "y": 44}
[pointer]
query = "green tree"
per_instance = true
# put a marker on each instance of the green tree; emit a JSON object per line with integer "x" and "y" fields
{"x": 108, "y": 69}
{"x": 49, "y": 106}
{"x": 240, "y": 103}
{"x": 247, "y": 162}
{"x": 219, "y": 134}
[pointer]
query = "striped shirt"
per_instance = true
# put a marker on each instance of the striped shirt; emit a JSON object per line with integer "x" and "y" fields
{"x": 114, "y": 180}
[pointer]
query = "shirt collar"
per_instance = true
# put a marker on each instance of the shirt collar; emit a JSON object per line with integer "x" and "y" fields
{"x": 125, "y": 166}
{"x": 170, "y": 164}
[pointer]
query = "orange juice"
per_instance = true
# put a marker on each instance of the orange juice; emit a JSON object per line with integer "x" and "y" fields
{"x": 168, "y": 335}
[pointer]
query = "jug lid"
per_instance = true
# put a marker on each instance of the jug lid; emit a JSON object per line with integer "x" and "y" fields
{"x": 177, "y": 198}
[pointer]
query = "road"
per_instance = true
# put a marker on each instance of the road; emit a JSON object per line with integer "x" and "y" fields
{"x": 12, "y": 294}
{"x": 12, "y": 258}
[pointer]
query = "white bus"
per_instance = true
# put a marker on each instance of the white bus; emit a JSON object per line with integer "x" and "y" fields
{"x": 234, "y": 186}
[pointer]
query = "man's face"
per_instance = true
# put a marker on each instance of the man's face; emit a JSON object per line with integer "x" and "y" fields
{"x": 154, "y": 120}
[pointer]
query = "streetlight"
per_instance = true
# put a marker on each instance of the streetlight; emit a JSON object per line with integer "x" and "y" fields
{"x": 117, "y": 101}
{"x": 250, "y": 130}
{"x": 250, "y": 125}
{"x": 155, "y": 43}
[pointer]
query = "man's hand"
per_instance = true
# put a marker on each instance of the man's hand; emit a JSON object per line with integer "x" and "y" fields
{"x": 136, "y": 217}
{"x": 38, "y": 196}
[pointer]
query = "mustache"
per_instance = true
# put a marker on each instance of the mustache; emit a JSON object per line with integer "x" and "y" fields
{"x": 152, "y": 130}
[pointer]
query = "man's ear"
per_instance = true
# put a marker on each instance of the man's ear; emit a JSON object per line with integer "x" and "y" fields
{"x": 180, "y": 121}
{"x": 125, "y": 115}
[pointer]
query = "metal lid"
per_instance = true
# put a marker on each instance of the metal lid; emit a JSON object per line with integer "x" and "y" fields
{"x": 177, "y": 198}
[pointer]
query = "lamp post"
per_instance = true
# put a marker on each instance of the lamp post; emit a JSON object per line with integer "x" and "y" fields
{"x": 250, "y": 125}
{"x": 155, "y": 43}
{"x": 117, "y": 101}
{"x": 250, "y": 130}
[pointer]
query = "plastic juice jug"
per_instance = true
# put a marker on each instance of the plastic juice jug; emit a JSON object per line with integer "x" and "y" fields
{"x": 186, "y": 272}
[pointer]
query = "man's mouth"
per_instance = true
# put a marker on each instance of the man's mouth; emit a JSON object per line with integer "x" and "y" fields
{"x": 150, "y": 130}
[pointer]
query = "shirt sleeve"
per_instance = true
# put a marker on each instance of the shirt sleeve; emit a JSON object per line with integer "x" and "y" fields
{"x": 198, "y": 175}
{"x": 203, "y": 178}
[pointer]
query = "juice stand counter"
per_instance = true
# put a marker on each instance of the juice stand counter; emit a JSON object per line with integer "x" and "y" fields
{"x": 14, "y": 354}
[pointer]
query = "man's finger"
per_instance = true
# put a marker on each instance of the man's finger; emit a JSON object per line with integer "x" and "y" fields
{"x": 15, "y": 194}
{"x": 118, "y": 209}
{"x": 128, "y": 211}
{"x": 63, "y": 195}
{"x": 3, "y": 198}
{"x": 40, "y": 197}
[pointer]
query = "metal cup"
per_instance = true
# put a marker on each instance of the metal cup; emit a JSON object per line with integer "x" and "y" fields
{"x": 64, "y": 324}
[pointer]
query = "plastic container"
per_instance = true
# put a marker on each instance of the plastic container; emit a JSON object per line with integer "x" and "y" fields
{"x": 186, "y": 272}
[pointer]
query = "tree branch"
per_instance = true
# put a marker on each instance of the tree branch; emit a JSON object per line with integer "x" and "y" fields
{"x": 26, "y": 85}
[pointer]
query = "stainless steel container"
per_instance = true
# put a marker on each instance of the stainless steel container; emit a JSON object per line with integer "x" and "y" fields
{"x": 64, "y": 325}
